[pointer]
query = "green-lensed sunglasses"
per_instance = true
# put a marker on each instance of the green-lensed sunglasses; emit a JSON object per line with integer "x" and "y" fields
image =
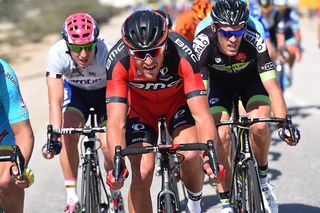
{"x": 79, "y": 48}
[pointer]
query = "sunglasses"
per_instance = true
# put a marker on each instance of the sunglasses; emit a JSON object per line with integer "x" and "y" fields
{"x": 79, "y": 48}
{"x": 229, "y": 34}
{"x": 152, "y": 53}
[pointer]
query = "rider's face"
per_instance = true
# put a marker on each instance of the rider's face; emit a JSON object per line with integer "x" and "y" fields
{"x": 83, "y": 58}
{"x": 229, "y": 38}
{"x": 150, "y": 64}
{"x": 265, "y": 11}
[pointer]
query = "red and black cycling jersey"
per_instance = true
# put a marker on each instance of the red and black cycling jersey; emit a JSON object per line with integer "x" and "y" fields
{"x": 180, "y": 71}
{"x": 232, "y": 71}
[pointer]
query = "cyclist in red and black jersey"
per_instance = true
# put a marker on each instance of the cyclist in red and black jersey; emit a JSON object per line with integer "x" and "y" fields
{"x": 234, "y": 59}
{"x": 152, "y": 72}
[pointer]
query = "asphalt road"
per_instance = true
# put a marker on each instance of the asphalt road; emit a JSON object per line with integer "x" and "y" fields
{"x": 294, "y": 171}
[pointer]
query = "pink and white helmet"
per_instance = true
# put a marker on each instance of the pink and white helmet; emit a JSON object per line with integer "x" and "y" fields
{"x": 80, "y": 29}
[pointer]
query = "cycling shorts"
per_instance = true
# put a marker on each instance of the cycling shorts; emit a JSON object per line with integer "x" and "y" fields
{"x": 81, "y": 101}
{"x": 143, "y": 115}
{"x": 220, "y": 95}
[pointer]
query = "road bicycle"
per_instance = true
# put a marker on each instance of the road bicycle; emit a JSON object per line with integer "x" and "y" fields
{"x": 174, "y": 162}
{"x": 246, "y": 194}
{"x": 284, "y": 75}
{"x": 167, "y": 201}
{"x": 93, "y": 199}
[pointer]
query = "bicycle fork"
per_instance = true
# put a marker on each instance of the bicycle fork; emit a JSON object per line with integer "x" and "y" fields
{"x": 243, "y": 155}
{"x": 166, "y": 187}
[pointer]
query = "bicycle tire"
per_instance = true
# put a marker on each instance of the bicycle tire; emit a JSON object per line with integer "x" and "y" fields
{"x": 174, "y": 179}
{"x": 90, "y": 197}
{"x": 246, "y": 192}
{"x": 167, "y": 206}
{"x": 254, "y": 194}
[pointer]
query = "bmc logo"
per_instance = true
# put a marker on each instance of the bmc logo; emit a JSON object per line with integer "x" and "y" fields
{"x": 187, "y": 49}
{"x": 154, "y": 86}
{"x": 113, "y": 54}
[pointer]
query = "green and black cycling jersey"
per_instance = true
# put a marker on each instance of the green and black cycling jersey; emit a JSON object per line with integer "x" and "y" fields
{"x": 242, "y": 74}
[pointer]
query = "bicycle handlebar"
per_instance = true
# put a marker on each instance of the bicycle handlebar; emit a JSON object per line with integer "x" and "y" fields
{"x": 86, "y": 130}
{"x": 17, "y": 158}
{"x": 165, "y": 148}
{"x": 246, "y": 122}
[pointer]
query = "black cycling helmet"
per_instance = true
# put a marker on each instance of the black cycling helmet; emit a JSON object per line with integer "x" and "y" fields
{"x": 144, "y": 29}
{"x": 166, "y": 17}
{"x": 230, "y": 12}
{"x": 265, "y": 3}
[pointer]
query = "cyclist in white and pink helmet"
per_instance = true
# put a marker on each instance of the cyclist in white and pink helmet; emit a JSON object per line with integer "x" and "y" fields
{"x": 76, "y": 81}
{"x": 80, "y": 29}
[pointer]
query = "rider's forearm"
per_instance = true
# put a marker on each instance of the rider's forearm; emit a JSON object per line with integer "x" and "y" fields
{"x": 55, "y": 95}
{"x": 115, "y": 136}
{"x": 206, "y": 130}
{"x": 278, "y": 104}
{"x": 24, "y": 138}
{"x": 55, "y": 113}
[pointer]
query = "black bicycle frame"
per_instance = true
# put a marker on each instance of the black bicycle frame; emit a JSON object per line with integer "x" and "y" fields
{"x": 91, "y": 175}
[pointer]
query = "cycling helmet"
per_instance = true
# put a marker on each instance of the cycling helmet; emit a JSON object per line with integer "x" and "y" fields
{"x": 144, "y": 29}
{"x": 265, "y": 3}
{"x": 199, "y": 10}
{"x": 166, "y": 17}
{"x": 280, "y": 2}
{"x": 230, "y": 12}
{"x": 80, "y": 29}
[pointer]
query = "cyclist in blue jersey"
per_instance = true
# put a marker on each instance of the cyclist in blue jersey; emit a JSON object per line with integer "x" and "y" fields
{"x": 255, "y": 11}
{"x": 289, "y": 25}
{"x": 76, "y": 81}
{"x": 15, "y": 128}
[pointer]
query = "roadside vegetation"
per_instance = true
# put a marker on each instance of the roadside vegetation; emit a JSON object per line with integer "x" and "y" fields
{"x": 32, "y": 20}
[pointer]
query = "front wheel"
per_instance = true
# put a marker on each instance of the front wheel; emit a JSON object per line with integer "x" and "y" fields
{"x": 166, "y": 204}
{"x": 246, "y": 191}
{"x": 89, "y": 192}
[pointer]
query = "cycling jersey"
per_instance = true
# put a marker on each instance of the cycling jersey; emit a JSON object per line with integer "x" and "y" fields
{"x": 252, "y": 22}
{"x": 60, "y": 63}
{"x": 242, "y": 74}
{"x": 178, "y": 80}
{"x": 185, "y": 26}
{"x": 12, "y": 107}
{"x": 273, "y": 19}
{"x": 255, "y": 12}
{"x": 84, "y": 88}
{"x": 288, "y": 24}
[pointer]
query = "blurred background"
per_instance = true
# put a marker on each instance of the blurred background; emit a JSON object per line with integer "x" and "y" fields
{"x": 29, "y": 27}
